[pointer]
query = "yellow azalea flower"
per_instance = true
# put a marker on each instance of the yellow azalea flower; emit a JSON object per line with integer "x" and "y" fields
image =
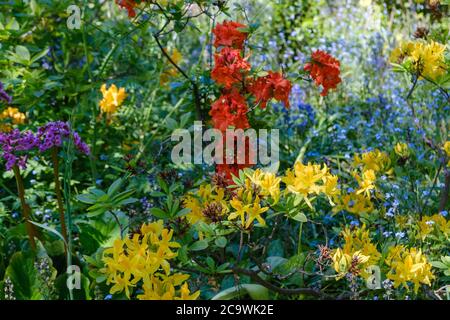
{"x": 433, "y": 224}
{"x": 426, "y": 58}
{"x": 358, "y": 249}
{"x": 374, "y": 160}
{"x": 254, "y": 212}
{"x": 171, "y": 72}
{"x": 205, "y": 198}
{"x": 446, "y": 149}
{"x": 241, "y": 210}
{"x": 330, "y": 187}
{"x": 353, "y": 203}
{"x": 11, "y": 116}
{"x": 268, "y": 182}
{"x": 305, "y": 180}
{"x": 358, "y": 239}
{"x": 342, "y": 262}
{"x": 144, "y": 257}
{"x": 402, "y": 150}
{"x": 366, "y": 183}
{"x": 186, "y": 293}
{"x": 408, "y": 265}
{"x": 112, "y": 99}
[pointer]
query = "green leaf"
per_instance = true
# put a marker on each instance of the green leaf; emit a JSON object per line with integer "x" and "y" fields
{"x": 86, "y": 198}
{"x": 158, "y": 213}
{"x": 300, "y": 217}
{"x": 114, "y": 187}
{"x": 24, "y": 277}
{"x": 221, "y": 242}
{"x": 255, "y": 291}
{"x": 23, "y": 53}
{"x": 49, "y": 229}
{"x": 199, "y": 245}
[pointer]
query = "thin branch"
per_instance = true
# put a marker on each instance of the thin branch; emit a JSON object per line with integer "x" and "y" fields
{"x": 256, "y": 278}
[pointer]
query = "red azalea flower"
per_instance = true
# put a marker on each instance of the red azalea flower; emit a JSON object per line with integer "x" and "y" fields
{"x": 271, "y": 86}
{"x": 324, "y": 70}
{"x": 129, "y": 5}
{"x": 229, "y": 67}
{"x": 230, "y": 110}
{"x": 228, "y": 35}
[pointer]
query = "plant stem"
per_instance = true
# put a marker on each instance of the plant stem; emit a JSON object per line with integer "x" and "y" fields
{"x": 59, "y": 198}
{"x": 26, "y": 211}
{"x": 299, "y": 247}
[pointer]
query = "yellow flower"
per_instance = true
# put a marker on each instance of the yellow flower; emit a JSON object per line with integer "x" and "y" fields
{"x": 408, "y": 265}
{"x": 254, "y": 212}
{"x": 366, "y": 183}
{"x": 358, "y": 251}
{"x": 241, "y": 210}
{"x": 12, "y": 116}
{"x": 309, "y": 180}
{"x": 186, "y": 293}
{"x": 426, "y": 58}
{"x": 268, "y": 182}
{"x": 402, "y": 150}
{"x": 375, "y": 160}
{"x": 446, "y": 148}
{"x": 343, "y": 262}
{"x": 205, "y": 197}
{"x": 112, "y": 99}
{"x": 330, "y": 187}
{"x": 354, "y": 203}
{"x": 142, "y": 257}
{"x": 435, "y": 223}
{"x": 170, "y": 72}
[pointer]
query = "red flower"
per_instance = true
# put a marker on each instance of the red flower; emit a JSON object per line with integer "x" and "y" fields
{"x": 228, "y": 35}
{"x": 230, "y": 110}
{"x": 324, "y": 70}
{"x": 271, "y": 86}
{"x": 129, "y": 5}
{"x": 229, "y": 67}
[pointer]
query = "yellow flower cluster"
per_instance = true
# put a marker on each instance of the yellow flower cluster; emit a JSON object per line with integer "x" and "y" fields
{"x": 311, "y": 179}
{"x": 426, "y": 58}
{"x": 370, "y": 164}
{"x": 211, "y": 204}
{"x": 207, "y": 204}
{"x": 11, "y": 116}
{"x": 402, "y": 150}
{"x": 171, "y": 71}
{"x": 375, "y": 160}
{"x": 267, "y": 182}
{"x": 246, "y": 204}
{"x": 408, "y": 265}
{"x": 358, "y": 249}
{"x": 434, "y": 224}
{"x": 112, "y": 99}
{"x": 145, "y": 257}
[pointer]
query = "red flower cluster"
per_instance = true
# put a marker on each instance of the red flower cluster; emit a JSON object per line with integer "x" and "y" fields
{"x": 324, "y": 70}
{"x": 271, "y": 86}
{"x": 129, "y": 5}
{"x": 228, "y": 35}
{"x": 231, "y": 109}
{"x": 229, "y": 67}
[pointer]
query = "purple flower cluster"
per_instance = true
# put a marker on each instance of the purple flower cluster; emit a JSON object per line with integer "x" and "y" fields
{"x": 14, "y": 144}
{"x": 3, "y": 95}
{"x": 54, "y": 133}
